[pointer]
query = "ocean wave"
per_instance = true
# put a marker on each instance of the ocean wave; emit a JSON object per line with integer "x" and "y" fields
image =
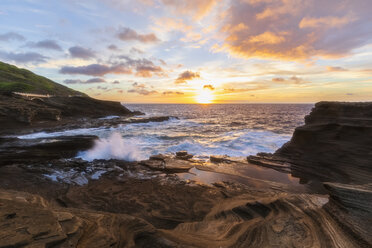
{"x": 71, "y": 132}
{"x": 109, "y": 117}
{"x": 113, "y": 147}
{"x": 235, "y": 144}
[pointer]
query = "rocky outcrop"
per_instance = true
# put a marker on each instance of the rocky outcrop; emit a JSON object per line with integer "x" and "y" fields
{"x": 85, "y": 106}
{"x": 30, "y": 221}
{"x": 167, "y": 164}
{"x": 334, "y": 145}
{"x": 17, "y": 112}
{"x": 14, "y": 150}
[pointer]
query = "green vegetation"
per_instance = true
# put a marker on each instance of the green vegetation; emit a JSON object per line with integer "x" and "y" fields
{"x": 14, "y": 79}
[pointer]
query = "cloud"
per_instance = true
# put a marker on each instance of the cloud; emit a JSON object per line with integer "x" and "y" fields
{"x": 240, "y": 87}
{"x": 73, "y": 81}
{"x": 96, "y": 80}
{"x": 295, "y": 29}
{"x": 170, "y": 24}
{"x": 197, "y": 9}
{"x": 290, "y": 80}
{"x": 141, "y": 89}
{"x": 240, "y": 90}
{"x": 28, "y": 57}
{"x": 113, "y": 47}
{"x": 335, "y": 68}
{"x": 172, "y": 93}
{"x": 128, "y": 34}
{"x": 143, "y": 67}
{"x": 267, "y": 38}
{"x": 116, "y": 82}
{"x": 208, "y": 86}
{"x": 278, "y": 80}
{"x": 96, "y": 69}
{"x": 46, "y": 44}
{"x": 162, "y": 62}
{"x": 330, "y": 21}
{"x": 185, "y": 76}
{"x": 147, "y": 70}
{"x": 11, "y": 36}
{"x": 349, "y": 94}
{"x": 89, "y": 81}
{"x": 81, "y": 52}
{"x": 136, "y": 50}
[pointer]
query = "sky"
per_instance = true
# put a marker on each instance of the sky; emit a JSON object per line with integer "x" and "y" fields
{"x": 195, "y": 51}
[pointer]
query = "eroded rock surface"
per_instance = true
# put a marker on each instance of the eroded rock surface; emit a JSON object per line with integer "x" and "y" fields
{"x": 29, "y": 220}
{"x": 49, "y": 201}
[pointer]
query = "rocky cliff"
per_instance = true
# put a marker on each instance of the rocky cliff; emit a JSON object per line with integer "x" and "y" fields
{"x": 334, "y": 145}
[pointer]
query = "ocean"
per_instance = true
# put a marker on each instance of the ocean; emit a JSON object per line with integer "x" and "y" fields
{"x": 235, "y": 130}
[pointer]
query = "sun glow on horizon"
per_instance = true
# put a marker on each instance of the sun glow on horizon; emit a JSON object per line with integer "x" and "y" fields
{"x": 204, "y": 96}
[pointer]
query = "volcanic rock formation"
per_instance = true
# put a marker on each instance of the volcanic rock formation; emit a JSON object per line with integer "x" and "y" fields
{"x": 53, "y": 201}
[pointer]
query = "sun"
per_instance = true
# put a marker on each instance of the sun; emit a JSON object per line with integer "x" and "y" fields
{"x": 204, "y": 96}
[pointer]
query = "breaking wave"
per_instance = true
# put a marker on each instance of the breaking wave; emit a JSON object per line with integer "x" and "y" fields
{"x": 113, "y": 147}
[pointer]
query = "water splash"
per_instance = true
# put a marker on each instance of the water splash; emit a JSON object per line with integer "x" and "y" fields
{"x": 113, "y": 147}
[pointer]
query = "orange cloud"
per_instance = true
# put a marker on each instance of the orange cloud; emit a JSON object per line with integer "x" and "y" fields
{"x": 335, "y": 68}
{"x": 197, "y": 9}
{"x": 291, "y": 80}
{"x": 185, "y": 76}
{"x": 295, "y": 29}
{"x": 172, "y": 93}
{"x": 166, "y": 23}
{"x": 267, "y": 38}
{"x": 208, "y": 86}
{"x": 329, "y": 21}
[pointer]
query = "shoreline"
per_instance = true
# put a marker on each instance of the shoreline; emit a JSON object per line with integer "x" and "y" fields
{"x": 166, "y": 200}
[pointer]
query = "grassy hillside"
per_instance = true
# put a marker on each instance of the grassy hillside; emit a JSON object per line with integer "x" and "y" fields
{"x": 16, "y": 79}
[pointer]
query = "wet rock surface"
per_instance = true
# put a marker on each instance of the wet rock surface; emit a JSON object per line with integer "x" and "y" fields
{"x": 180, "y": 163}
{"x": 175, "y": 200}
{"x": 14, "y": 150}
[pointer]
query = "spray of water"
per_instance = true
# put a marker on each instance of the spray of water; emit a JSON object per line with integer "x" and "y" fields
{"x": 114, "y": 147}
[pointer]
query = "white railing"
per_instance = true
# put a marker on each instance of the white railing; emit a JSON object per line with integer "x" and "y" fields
{"x": 32, "y": 95}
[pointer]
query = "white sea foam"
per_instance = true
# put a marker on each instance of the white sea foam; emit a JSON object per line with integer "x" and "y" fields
{"x": 234, "y": 144}
{"x": 113, "y": 147}
{"x": 72, "y": 132}
{"x": 109, "y": 117}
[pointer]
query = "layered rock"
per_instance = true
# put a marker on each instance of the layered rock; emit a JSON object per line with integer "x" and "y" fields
{"x": 29, "y": 220}
{"x": 334, "y": 145}
{"x": 350, "y": 206}
{"x": 145, "y": 214}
